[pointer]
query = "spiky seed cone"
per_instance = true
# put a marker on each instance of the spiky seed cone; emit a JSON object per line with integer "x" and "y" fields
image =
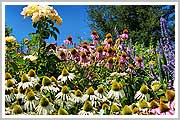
{"x": 30, "y": 95}
{"x": 144, "y": 89}
{"x": 109, "y": 50}
{"x": 15, "y": 91}
{"x": 126, "y": 110}
{"x": 108, "y": 35}
{"x": 156, "y": 87}
{"x": 133, "y": 106}
{"x": 109, "y": 41}
{"x": 17, "y": 109}
{"x": 139, "y": 59}
{"x": 73, "y": 51}
{"x": 32, "y": 73}
{"x": 9, "y": 83}
{"x": 53, "y": 79}
{"x": 21, "y": 90}
{"x": 124, "y": 54}
{"x": 104, "y": 106}
{"x": 24, "y": 78}
{"x": 153, "y": 104}
{"x": 115, "y": 86}
{"x": 65, "y": 90}
{"x": 130, "y": 66}
{"x": 62, "y": 111}
{"x": 100, "y": 49}
{"x": 163, "y": 107}
{"x": 110, "y": 60}
{"x": 93, "y": 32}
{"x": 100, "y": 89}
{"x": 114, "y": 108}
{"x": 83, "y": 54}
{"x": 163, "y": 99}
{"x": 69, "y": 37}
{"x": 87, "y": 106}
{"x": 170, "y": 94}
{"x": 143, "y": 103}
{"x": 65, "y": 72}
{"x": 135, "y": 110}
{"x": 62, "y": 53}
{"x": 90, "y": 91}
{"x": 8, "y": 76}
{"x": 78, "y": 93}
{"x": 46, "y": 81}
{"x": 27, "y": 90}
{"x": 125, "y": 31}
{"x": 44, "y": 102}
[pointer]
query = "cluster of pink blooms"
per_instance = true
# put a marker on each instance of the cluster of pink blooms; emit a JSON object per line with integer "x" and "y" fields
{"x": 104, "y": 52}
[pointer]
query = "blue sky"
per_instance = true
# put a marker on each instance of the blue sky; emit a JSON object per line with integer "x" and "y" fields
{"x": 74, "y": 22}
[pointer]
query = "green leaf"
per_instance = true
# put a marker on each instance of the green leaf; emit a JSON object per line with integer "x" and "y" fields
{"x": 14, "y": 65}
{"x": 56, "y": 29}
{"x": 53, "y": 34}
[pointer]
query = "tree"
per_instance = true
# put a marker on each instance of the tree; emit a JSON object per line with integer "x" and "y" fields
{"x": 141, "y": 21}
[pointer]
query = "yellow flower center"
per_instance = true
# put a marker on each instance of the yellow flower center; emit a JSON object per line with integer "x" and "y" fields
{"x": 126, "y": 110}
{"x": 17, "y": 109}
{"x": 65, "y": 90}
{"x": 24, "y": 78}
{"x": 144, "y": 89}
{"x": 62, "y": 111}
{"x": 65, "y": 72}
{"x": 8, "y": 76}
{"x": 44, "y": 102}
{"x": 32, "y": 73}
{"x": 87, "y": 106}
{"x": 46, "y": 81}
{"x": 78, "y": 93}
{"x": 90, "y": 91}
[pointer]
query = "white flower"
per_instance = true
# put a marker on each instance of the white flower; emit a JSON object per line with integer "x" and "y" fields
{"x": 30, "y": 105}
{"x": 31, "y": 57}
{"x": 66, "y": 76}
{"x": 10, "y": 97}
{"x": 82, "y": 112}
{"x": 64, "y": 95}
{"x": 25, "y": 85}
{"x": 50, "y": 88}
{"x": 142, "y": 93}
{"x": 101, "y": 94}
{"x": 77, "y": 97}
{"x": 116, "y": 91}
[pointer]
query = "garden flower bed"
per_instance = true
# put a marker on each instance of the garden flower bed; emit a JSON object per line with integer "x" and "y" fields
{"x": 103, "y": 77}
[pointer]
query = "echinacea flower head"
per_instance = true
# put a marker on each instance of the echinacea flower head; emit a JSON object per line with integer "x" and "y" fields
{"x": 139, "y": 59}
{"x": 163, "y": 107}
{"x": 124, "y": 54}
{"x": 10, "y": 39}
{"x": 110, "y": 41}
{"x": 163, "y": 99}
{"x": 105, "y": 106}
{"x": 30, "y": 95}
{"x": 144, "y": 89}
{"x": 73, "y": 51}
{"x": 8, "y": 76}
{"x": 9, "y": 83}
{"x": 44, "y": 102}
{"x": 78, "y": 93}
{"x": 65, "y": 75}
{"x": 114, "y": 109}
{"x": 83, "y": 54}
{"x": 153, "y": 104}
{"x": 135, "y": 110}
{"x": 126, "y": 110}
{"x": 110, "y": 60}
{"x": 17, "y": 109}
{"x": 62, "y": 111}
{"x": 46, "y": 81}
{"x": 99, "y": 49}
{"x": 93, "y": 32}
{"x": 116, "y": 86}
{"x": 108, "y": 35}
{"x": 170, "y": 95}
{"x": 125, "y": 31}
{"x": 24, "y": 78}
{"x": 87, "y": 106}
{"x": 65, "y": 90}
{"x": 69, "y": 38}
{"x": 31, "y": 73}
{"x": 25, "y": 82}
{"x": 143, "y": 104}
{"x": 90, "y": 91}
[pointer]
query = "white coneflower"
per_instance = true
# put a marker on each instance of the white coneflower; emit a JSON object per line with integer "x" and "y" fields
{"x": 77, "y": 98}
{"x": 104, "y": 109}
{"x": 91, "y": 97}
{"x": 44, "y": 107}
{"x": 62, "y": 111}
{"x": 25, "y": 82}
{"x": 33, "y": 77}
{"x": 8, "y": 76}
{"x": 87, "y": 109}
{"x": 31, "y": 101}
{"x": 17, "y": 109}
{"x": 115, "y": 110}
{"x": 65, "y": 75}
{"x": 100, "y": 93}
{"x": 142, "y": 93}
{"x": 143, "y": 106}
{"x": 9, "y": 96}
{"x": 65, "y": 94}
{"x": 126, "y": 110}
{"x": 48, "y": 86}
{"x": 116, "y": 91}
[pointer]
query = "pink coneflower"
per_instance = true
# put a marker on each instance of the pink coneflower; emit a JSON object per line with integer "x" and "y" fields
{"x": 130, "y": 69}
{"x": 109, "y": 63}
{"x": 124, "y": 36}
{"x": 99, "y": 54}
{"x": 123, "y": 57}
{"x": 74, "y": 54}
{"x": 95, "y": 37}
{"x": 110, "y": 52}
{"x": 108, "y": 43}
{"x": 91, "y": 47}
{"x": 68, "y": 40}
{"x": 122, "y": 65}
{"x": 164, "y": 110}
{"x": 83, "y": 57}
{"x": 105, "y": 51}
{"x": 139, "y": 62}
{"x": 62, "y": 55}
{"x": 84, "y": 48}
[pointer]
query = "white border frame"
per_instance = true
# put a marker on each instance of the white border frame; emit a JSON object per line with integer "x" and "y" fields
{"x": 90, "y": 3}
